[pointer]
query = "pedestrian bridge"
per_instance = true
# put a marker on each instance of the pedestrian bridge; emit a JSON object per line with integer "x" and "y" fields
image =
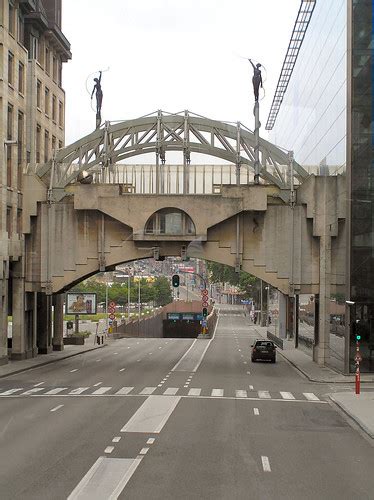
{"x": 88, "y": 211}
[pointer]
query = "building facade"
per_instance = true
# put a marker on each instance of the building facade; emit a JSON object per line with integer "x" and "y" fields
{"x": 327, "y": 119}
{"x": 32, "y": 107}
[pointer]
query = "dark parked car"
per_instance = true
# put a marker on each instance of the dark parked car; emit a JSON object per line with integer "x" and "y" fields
{"x": 263, "y": 349}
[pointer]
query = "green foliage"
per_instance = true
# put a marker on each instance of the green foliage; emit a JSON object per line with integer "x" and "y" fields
{"x": 162, "y": 291}
{"x": 221, "y": 273}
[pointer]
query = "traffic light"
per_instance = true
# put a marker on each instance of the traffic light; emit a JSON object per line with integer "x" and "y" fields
{"x": 205, "y": 312}
{"x": 356, "y": 331}
{"x": 175, "y": 280}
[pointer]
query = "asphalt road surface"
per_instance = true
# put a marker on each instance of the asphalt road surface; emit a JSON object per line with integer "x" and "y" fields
{"x": 177, "y": 419}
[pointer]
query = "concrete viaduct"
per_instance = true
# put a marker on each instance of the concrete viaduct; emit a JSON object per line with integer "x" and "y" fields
{"x": 86, "y": 211}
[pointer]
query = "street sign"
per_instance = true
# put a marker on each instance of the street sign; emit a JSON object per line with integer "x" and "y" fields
{"x": 358, "y": 358}
{"x": 112, "y": 317}
{"x": 112, "y": 304}
{"x": 205, "y": 303}
{"x": 204, "y": 323}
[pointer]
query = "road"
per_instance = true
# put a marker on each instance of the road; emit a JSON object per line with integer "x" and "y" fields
{"x": 177, "y": 419}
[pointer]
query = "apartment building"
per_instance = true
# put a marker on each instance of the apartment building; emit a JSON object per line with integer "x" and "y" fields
{"x": 32, "y": 108}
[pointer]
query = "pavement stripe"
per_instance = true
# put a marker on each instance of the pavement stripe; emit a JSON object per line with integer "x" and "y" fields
{"x": 266, "y": 464}
{"x": 96, "y": 385}
{"x": 152, "y": 415}
{"x": 256, "y": 411}
{"x": 310, "y": 396}
{"x": 40, "y": 383}
{"x": 122, "y": 369}
{"x": 106, "y": 479}
{"x": 143, "y": 451}
{"x": 150, "y": 440}
{"x": 264, "y": 395}
{"x": 57, "y": 407}
{"x": 102, "y": 390}
{"x": 171, "y": 391}
{"x": 287, "y": 395}
{"x": 194, "y": 392}
{"x": 217, "y": 392}
{"x": 116, "y": 439}
{"x": 148, "y": 390}
{"x": 75, "y": 370}
{"x": 32, "y": 391}
{"x": 109, "y": 449}
{"x": 241, "y": 394}
{"x": 125, "y": 390}
{"x": 56, "y": 390}
{"x": 11, "y": 391}
{"x": 79, "y": 390}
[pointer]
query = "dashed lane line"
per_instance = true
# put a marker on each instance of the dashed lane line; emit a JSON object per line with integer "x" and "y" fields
{"x": 265, "y": 464}
{"x": 256, "y": 411}
{"x": 57, "y": 408}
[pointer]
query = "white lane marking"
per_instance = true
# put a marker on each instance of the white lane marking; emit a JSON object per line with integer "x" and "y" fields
{"x": 40, "y": 383}
{"x": 194, "y": 392}
{"x": 256, "y": 411}
{"x": 57, "y": 408}
{"x": 125, "y": 390}
{"x": 116, "y": 439}
{"x": 138, "y": 360}
{"x": 143, "y": 451}
{"x": 11, "y": 391}
{"x": 217, "y": 392}
{"x": 248, "y": 373}
{"x": 147, "y": 390}
{"x": 184, "y": 355}
{"x": 186, "y": 385}
{"x": 79, "y": 390}
{"x": 129, "y": 347}
{"x": 310, "y": 396}
{"x": 251, "y": 387}
{"x": 102, "y": 390}
{"x": 241, "y": 394}
{"x": 98, "y": 360}
{"x": 150, "y": 440}
{"x": 149, "y": 353}
{"x": 164, "y": 379}
{"x": 264, "y": 394}
{"x": 152, "y": 414}
{"x": 115, "y": 353}
{"x": 239, "y": 350}
{"x": 171, "y": 391}
{"x": 160, "y": 347}
{"x": 160, "y": 385}
{"x": 106, "y": 479}
{"x": 109, "y": 449}
{"x": 266, "y": 464}
{"x": 99, "y": 383}
{"x": 287, "y": 395}
{"x": 32, "y": 391}
{"x": 75, "y": 370}
{"x": 122, "y": 369}
{"x": 56, "y": 390}
{"x": 245, "y": 362}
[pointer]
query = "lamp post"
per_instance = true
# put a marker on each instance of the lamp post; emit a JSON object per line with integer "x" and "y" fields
{"x": 106, "y": 303}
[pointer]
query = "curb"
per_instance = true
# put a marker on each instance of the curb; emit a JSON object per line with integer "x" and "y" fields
{"x": 44, "y": 363}
{"x": 355, "y": 419}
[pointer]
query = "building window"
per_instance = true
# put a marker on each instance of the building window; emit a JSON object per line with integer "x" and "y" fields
{"x": 38, "y": 143}
{"x": 47, "y": 61}
{"x": 39, "y": 94}
{"x": 46, "y": 101}
{"x": 54, "y": 108}
{"x": 34, "y": 47}
{"x": 54, "y": 69}
{"x": 170, "y": 221}
{"x": 12, "y": 19}
{"x": 60, "y": 114}
{"x": 59, "y": 64}
{"x": 60, "y": 145}
{"x": 20, "y": 134}
{"x": 10, "y": 68}
{"x": 9, "y": 221}
{"x": 9, "y": 130}
{"x": 20, "y": 28}
{"x": 21, "y": 78}
{"x": 19, "y": 221}
{"x": 46, "y": 146}
{"x": 53, "y": 144}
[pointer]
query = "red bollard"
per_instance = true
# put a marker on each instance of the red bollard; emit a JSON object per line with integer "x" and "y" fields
{"x": 357, "y": 380}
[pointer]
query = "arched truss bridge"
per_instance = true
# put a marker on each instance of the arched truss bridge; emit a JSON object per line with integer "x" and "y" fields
{"x": 161, "y": 132}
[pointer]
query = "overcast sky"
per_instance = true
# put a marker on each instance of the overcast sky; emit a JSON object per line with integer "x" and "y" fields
{"x": 172, "y": 55}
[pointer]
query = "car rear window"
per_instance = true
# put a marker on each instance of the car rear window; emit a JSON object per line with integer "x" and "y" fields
{"x": 264, "y": 343}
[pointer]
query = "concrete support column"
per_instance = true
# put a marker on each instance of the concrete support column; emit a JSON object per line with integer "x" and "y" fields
{"x": 44, "y": 323}
{"x": 322, "y": 348}
{"x": 282, "y": 306}
{"x": 58, "y": 322}
{"x": 19, "y": 341}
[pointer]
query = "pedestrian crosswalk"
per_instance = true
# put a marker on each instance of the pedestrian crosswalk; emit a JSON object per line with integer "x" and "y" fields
{"x": 248, "y": 393}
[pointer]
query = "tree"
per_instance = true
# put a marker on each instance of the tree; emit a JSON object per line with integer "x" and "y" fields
{"x": 162, "y": 291}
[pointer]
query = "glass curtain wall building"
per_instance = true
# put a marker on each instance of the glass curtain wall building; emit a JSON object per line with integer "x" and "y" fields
{"x": 327, "y": 119}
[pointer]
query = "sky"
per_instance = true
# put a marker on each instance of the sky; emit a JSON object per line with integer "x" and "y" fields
{"x": 172, "y": 55}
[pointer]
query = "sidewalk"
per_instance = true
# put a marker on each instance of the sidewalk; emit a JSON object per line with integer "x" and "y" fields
{"x": 359, "y": 407}
{"x": 14, "y": 367}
